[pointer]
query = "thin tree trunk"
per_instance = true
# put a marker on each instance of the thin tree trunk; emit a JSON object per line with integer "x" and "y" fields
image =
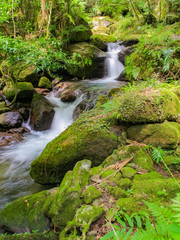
{"x": 134, "y": 10}
{"x": 14, "y": 25}
{"x": 43, "y": 11}
{"x": 49, "y": 21}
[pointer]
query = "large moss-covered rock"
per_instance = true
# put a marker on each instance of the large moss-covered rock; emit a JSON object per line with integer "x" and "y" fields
{"x": 166, "y": 135}
{"x": 87, "y": 138}
{"x": 25, "y": 214}
{"x": 148, "y": 105}
{"x": 68, "y": 198}
{"x": 24, "y": 90}
{"x": 80, "y": 33}
{"x": 20, "y": 72}
{"x": 92, "y": 60}
{"x": 42, "y": 113}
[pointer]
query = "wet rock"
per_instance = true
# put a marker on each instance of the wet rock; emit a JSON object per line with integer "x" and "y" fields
{"x": 124, "y": 53}
{"x": 24, "y": 113}
{"x": 42, "y": 113}
{"x": 10, "y": 120}
{"x": 68, "y": 96}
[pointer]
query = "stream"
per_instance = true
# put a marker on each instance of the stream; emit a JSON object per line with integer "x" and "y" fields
{"x": 15, "y": 159}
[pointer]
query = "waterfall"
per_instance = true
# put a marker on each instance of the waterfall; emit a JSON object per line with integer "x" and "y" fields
{"x": 15, "y": 159}
{"x": 113, "y": 67}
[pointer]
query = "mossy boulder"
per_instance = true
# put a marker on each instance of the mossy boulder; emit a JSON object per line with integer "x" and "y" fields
{"x": 148, "y": 105}
{"x": 42, "y": 113}
{"x": 100, "y": 40}
{"x": 91, "y": 60}
{"x": 21, "y": 72}
{"x": 24, "y": 90}
{"x": 139, "y": 155}
{"x": 80, "y": 33}
{"x": 44, "y": 82}
{"x": 69, "y": 196}
{"x": 166, "y": 135}
{"x": 91, "y": 194}
{"x": 101, "y": 24}
{"x": 25, "y": 214}
{"x": 87, "y": 138}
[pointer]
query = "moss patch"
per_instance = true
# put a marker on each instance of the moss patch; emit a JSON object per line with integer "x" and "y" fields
{"x": 91, "y": 194}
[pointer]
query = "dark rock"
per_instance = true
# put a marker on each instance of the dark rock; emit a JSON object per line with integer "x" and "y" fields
{"x": 129, "y": 43}
{"x": 10, "y": 120}
{"x": 124, "y": 53}
{"x": 24, "y": 113}
{"x": 68, "y": 96}
{"x": 42, "y": 113}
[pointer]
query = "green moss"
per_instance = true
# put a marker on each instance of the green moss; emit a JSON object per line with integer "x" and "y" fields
{"x": 172, "y": 162}
{"x": 108, "y": 174}
{"x": 83, "y": 218}
{"x": 32, "y": 236}
{"x": 128, "y": 172}
{"x": 24, "y": 91}
{"x": 130, "y": 205}
{"x": 141, "y": 158}
{"x": 149, "y": 105}
{"x": 117, "y": 192}
{"x": 124, "y": 183}
{"x": 25, "y": 214}
{"x": 148, "y": 186}
{"x": 69, "y": 196}
{"x": 87, "y": 138}
{"x": 44, "y": 82}
{"x": 96, "y": 170}
{"x": 166, "y": 135}
{"x": 80, "y": 33}
{"x": 91, "y": 194}
{"x": 98, "y": 38}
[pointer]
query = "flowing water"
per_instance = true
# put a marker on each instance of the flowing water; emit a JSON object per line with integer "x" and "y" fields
{"x": 15, "y": 160}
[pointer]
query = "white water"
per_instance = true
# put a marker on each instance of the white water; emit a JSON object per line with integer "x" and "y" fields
{"x": 113, "y": 67}
{"x": 15, "y": 160}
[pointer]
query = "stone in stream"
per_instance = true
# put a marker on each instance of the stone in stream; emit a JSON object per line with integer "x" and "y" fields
{"x": 42, "y": 113}
{"x": 10, "y": 120}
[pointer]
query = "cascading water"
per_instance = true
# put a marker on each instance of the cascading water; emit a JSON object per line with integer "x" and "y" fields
{"x": 15, "y": 160}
